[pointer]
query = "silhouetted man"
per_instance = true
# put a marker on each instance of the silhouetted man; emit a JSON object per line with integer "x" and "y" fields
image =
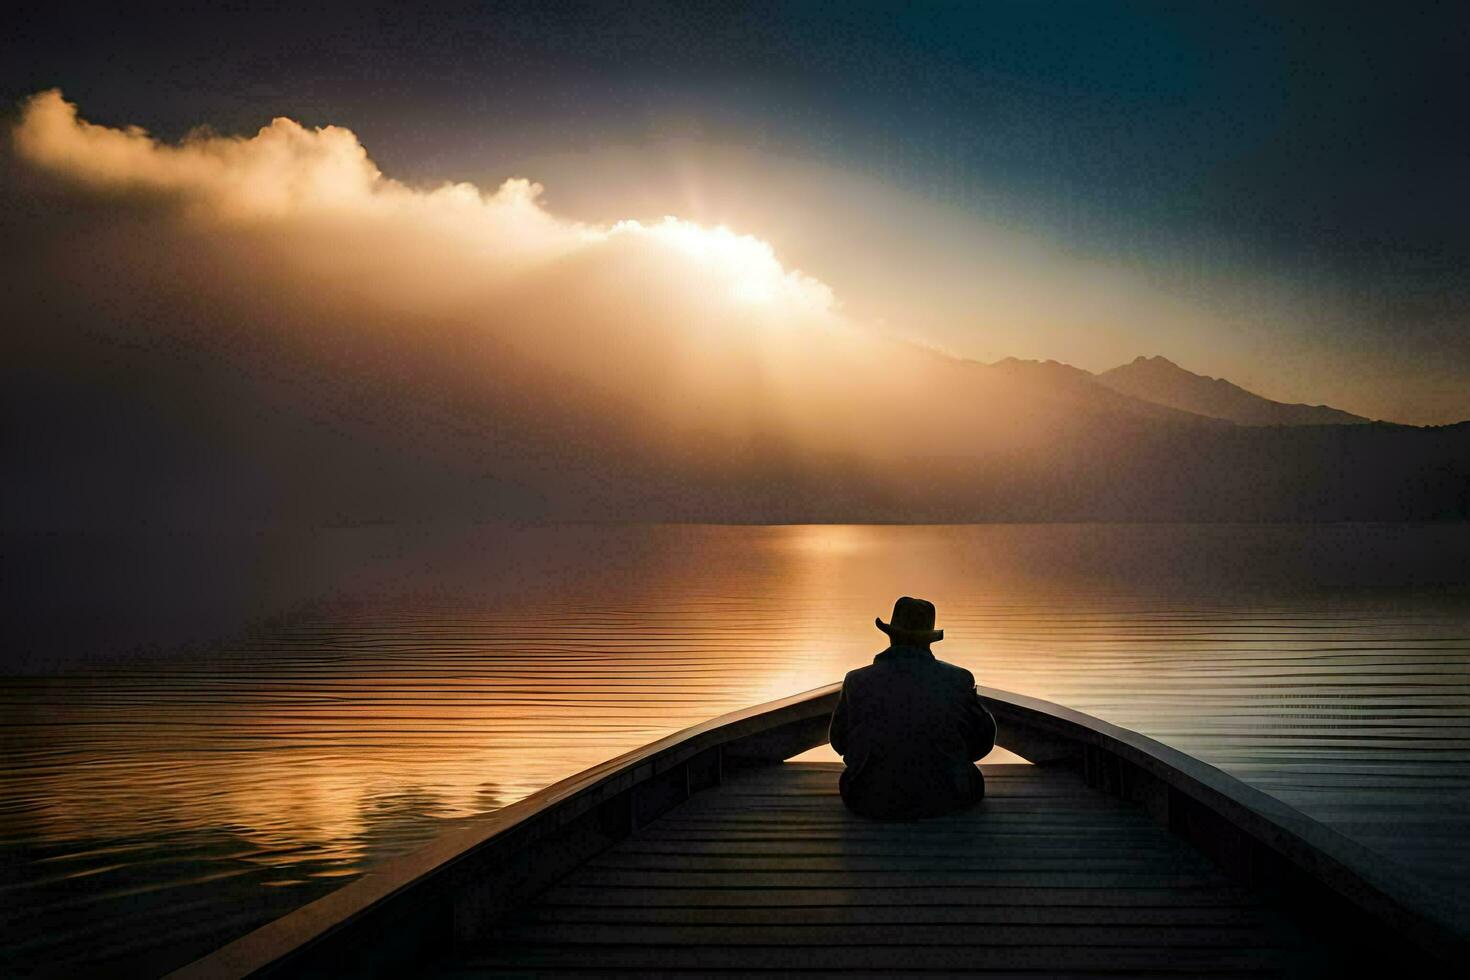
{"x": 910, "y": 727}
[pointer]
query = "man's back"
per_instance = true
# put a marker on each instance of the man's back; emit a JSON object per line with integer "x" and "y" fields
{"x": 909, "y": 728}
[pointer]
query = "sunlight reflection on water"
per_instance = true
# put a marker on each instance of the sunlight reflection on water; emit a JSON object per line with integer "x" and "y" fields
{"x": 153, "y": 808}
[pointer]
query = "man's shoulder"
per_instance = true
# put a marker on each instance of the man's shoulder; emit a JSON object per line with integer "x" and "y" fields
{"x": 960, "y": 675}
{"x": 866, "y": 674}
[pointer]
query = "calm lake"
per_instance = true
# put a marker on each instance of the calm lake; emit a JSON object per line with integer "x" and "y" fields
{"x": 240, "y": 724}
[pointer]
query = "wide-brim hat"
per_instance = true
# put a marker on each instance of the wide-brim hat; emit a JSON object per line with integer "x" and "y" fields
{"x": 912, "y": 622}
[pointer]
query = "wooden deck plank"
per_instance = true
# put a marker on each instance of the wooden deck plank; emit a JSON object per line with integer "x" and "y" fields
{"x": 1095, "y": 915}
{"x": 907, "y": 897}
{"x": 994, "y": 828}
{"x": 904, "y": 959}
{"x": 770, "y": 872}
{"x": 937, "y": 879}
{"x": 1099, "y": 971}
{"x": 868, "y": 934}
{"x": 817, "y": 846}
{"x": 562, "y": 973}
{"x": 1037, "y": 823}
{"x": 944, "y": 865}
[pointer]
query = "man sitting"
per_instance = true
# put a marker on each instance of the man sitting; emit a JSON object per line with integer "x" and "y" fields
{"x": 910, "y": 727}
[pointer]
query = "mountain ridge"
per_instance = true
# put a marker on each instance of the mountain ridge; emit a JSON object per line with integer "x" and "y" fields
{"x": 1082, "y": 389}
{"x": 1159, "y": 380}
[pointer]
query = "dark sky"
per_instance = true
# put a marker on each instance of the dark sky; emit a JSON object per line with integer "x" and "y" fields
{"x": 1327, "y": 144}
{"x": 1337, "y": 126}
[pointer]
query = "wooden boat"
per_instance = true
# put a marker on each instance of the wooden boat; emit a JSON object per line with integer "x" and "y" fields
{"x": 706, "y": 851}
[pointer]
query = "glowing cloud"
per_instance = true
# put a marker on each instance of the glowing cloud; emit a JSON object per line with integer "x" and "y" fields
{"x": 302, "y": 252}
{"x": 288, "y": 173}
{"x": 758, "y": 276}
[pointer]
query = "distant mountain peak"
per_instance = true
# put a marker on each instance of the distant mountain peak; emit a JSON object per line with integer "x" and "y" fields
{"x": 1160, "y": 380}
{"x": 1035, "y": 363}
{"x": 1081, "y": 394}
{"x": 1160, "y": 363}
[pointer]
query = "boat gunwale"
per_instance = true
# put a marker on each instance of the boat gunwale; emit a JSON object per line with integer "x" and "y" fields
{"x": 1038, "y": 730}
{"x": 262, "y": 948}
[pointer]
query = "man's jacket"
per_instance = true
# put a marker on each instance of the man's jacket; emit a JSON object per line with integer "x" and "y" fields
{"x": 909, "y": 728}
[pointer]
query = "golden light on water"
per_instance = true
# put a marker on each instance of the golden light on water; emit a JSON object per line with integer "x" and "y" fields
{"x": 815, "y": 541}
{"x": 331, "y": 740}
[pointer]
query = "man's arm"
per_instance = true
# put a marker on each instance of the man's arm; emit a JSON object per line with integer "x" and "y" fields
{"x": 837, "y": 731}
{"x": 979, "y": 727}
